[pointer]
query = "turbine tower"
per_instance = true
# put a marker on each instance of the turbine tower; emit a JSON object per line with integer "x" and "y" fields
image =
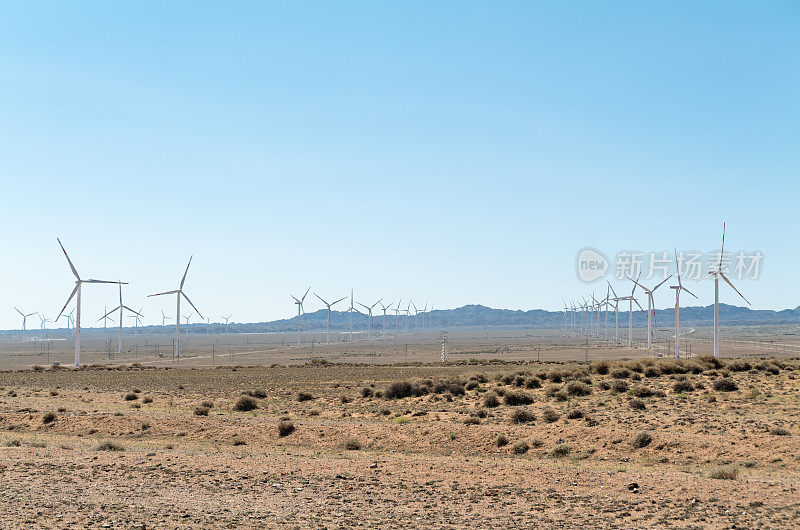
{"x": 77, "y": 291}
{"x": 299, "y": 304}
{"x": 227, "y": 318}
{"x": 178, "y": 293}
{"x": 678, "y": 288}
{"x": 717, "y": 274}
{"x": 163, "y": 319}
{"x": 121, "y": 308}
{"x": 650, "y": 307}
{"x": 396, "y": 317}
{"x": 631, "y": 300}
{"x": 328, "y": 329}
{"x": 384, "y": 308}
{"x": 616, "y": 313}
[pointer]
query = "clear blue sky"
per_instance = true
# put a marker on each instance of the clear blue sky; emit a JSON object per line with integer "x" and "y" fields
{"x": 457, "y": 152}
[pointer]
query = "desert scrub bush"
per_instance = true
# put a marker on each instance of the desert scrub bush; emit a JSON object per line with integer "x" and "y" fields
{"x": 351, "y": 444}
{"x": 637, "y": 404}
{"x": 13, "y": 443}
{"x": 682, "y": 386}
{"x": 533, "y": 382}
{"x": 345, "y": 399}
{"x": 711, "y": 361}
{"x": 549, "y": 415}
{"x": 600, "y": 367}
{"x": 642, "y": 391}
{"x": 367, "y": 392}
{"x": 779, "y": 431}
{"x": 256, "y": 393}
{"x": 472, "y": 420}
{"x": 772, "y": 369}
{"x": 561, "y": 450}
{"x": 501, "y": 440}
{"x": 480, "y": 413}
{"x": 491, "y": 400}
{"x": 725, "y": 385}
{"x": 147, "y": 399}
{"x": 619, "y": 386}
{"x": 54, "y": 393}
{"x": 652, "y": 371}
{"x": 641, "y": 439}
{"x": 517, "y": 397}
{"x": 724, "y": 472}
{"x": 519, "y": 380}
{"x": 577, "y": 388}
{"x": 403, "y": 389}
{"x": 471, "y": 385}
{"x": 304, "y": 396}
{"x": 208, "y": 403}
{"x": 131, "y": 396}
{"x": 48, "y": 417}
{"x": 555, "y": 376}
{"x": 604, "y": 385}
{"x": 245, "y": 404}
{"x": 522, "y": 415}
{"x": 739, "y": 366}
{"x": 575, "y": 414}
{"x": 620, "y": 373}
{"x": 285, "y": 428}
{"x": 520, "y": 448}
{"x": 109, "y": 445}
{"x": 201, "y": 410}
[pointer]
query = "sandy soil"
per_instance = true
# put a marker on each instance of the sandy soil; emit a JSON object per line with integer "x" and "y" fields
{"x": 430, "y": 460}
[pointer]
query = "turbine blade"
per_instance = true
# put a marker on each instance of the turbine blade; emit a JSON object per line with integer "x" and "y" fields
{"x": 722, "y": 250}
{"x": 71, "y": 266}
{"x": 103, "y": 281}
{"x": 323, "y": 301}
{"x": 734, "y": 288}
{"x": 165, "y": 292}
{"x": 688, "y": 291}
{"x": 20, "y": 312}
{"x": 75, "y": 290}
{"x": 339, "y": 300}
{"x": 191, "y": 304}
{"x": 304, "y": 296}
{"x": 186, "y": 272}
{"x": 660, "y": 284}
{"x": 132, "y": 311}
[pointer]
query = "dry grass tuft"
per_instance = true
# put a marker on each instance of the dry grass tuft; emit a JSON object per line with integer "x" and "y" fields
{"x": 245, "y": 404}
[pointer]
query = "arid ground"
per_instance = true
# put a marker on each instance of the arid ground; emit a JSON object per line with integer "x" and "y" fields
{"x": 694, "y": 443}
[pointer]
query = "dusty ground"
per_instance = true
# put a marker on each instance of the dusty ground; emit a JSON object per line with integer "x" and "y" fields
{"x": 430, "y": 460}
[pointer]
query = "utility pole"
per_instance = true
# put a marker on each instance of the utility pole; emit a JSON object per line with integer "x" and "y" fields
{"x": 444, "y": 345}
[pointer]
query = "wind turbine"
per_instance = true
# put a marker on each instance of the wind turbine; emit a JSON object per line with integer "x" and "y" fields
{"x": 565, "y": 316}
{"x": 299, "y": 304}
{"x": 678, "y": 288}
{"x": 164, "y": 318}
{"x": 631, "y": 300}
{"x": 24, "y": 320}
{"x": 350, "y": 310}
{"x": 44, "y": 321}
{"x": 179, "y": 292}
{"x": 717, "y": 274}
{"x": 227, "y": 318}
{"x": 616, "y": 312}
{"x": 384, "y": 308}
{"x": 650, "y": 307}
{"x": 407, "y": 311}
{"x": 77, "y": 290}
{"x": 369, "y": 317}
{"x": 121, "y": 308}
{"x": 396, "y": 317}
{"x": 328, "y": 329}
{"x": 138, "y": 320}
{"x": 416, "y": 312}
{"x": 70, "y": 319}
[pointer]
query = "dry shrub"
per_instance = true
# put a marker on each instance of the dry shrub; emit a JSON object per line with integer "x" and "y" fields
{"x": 471, "y": 385}
{"x": 201, "y": 410}
{"x": 620, "y": 373}
{"x": 652, "y": 371}
{"x": 351, "y": 444}
{"x": 245, "y": 404}
{"x": 779, "y": 431}
{"x": 711, "y": 361}
{"x": 257, "y": 393}
{"x": 549, "y": 415}
{"x": 285, "y": 428}
{"x": 520, "y": 448}
{"x": 682, "y": 386}
{"x": 637, "y": 404}
{"x": 518, "y": 398}
{"x": 147, "y": 399}
{"x": 131, "y": 396}
{"x": 304, "y": 396}
{"x": 725, "y": 385}
{"x": 561, "y": 450}
{"x": 491, "y": 400}
{"x": 575, "y": 414}
{"x": 501, "y": 440}
{"x": 533, "y": 382}
{"x": 109, "y": 445}
{"x": 578, "y": 388}
{"x": 600, "y": 367}
{"x": 403, "y": 389}
{"x": 641, "y": 439}
{"x": 724, "y": 472}
{"x": 619, "y": 386}
{"x": 472, "y": 420}
{"x": 739, "y": 366}
{"x": 642, "y": 391}
{"x": 48, "y": 417}
{"x": 522, "y": 415}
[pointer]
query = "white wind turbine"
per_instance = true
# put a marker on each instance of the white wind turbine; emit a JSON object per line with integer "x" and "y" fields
{"x": 650, "y": 307}
{"x": 44, "y": 320}
{"x": 77, "y": 291}
{"x": 678, "y": 288}
{"x": 164, "y": 318}
{"x": 631, "y": 300}
{"x": 384, "y": 308}
{"x": 179, "y": 292}
{"x": 137, "y": 320}
{"x": 397, "y": 311}
{"x": 121, "y": 308}
{"x": 329, "y": 305}
{"x": 24, "y": 321}
{"x": 226, "y": 319}
{"x": 369, "y": 317}
{"x": 299, "y": 304}
{"x": 105, "y": 320}
{"x": 350, "y": 310}
{"x": 616, "y": 313}
{"x": 717, "y": 274}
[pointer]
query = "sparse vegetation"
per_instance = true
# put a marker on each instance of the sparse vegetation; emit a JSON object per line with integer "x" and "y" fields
{"x": 351, "y": 444}
{"x": 201, "y": 410}
{"x": 48, "y": 417}
{"x": 549, "y": 415}
{"x": 725, "y": 385}
{"x": 522, "y": 415}
{"x": 517, "y": 397}
{"x": 726, "y": 472}
{"x": 285, "y": 428}
{"x": 641, "y": 439}
{"x": 561, "y": 450}
{"x": 520, "y": 448}
{"x": 245, "y": 404}
{"x": 109, "y": 445}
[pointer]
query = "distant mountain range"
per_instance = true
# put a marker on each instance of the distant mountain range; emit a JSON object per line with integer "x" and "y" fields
{"x": 478, "y": 316}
